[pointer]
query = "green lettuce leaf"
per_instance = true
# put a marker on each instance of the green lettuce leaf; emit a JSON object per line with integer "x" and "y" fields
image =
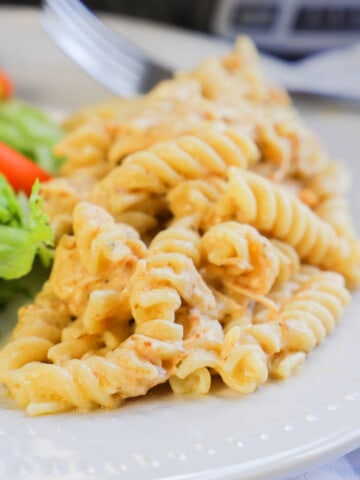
{"x": 31, "y": 132}
{"x": 24, "y": 232}
{"x": 11, "y": 211}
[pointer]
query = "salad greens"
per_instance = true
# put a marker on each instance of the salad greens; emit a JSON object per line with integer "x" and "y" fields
{"x": 30, "y": 131}
{"x": 24, "y": 233}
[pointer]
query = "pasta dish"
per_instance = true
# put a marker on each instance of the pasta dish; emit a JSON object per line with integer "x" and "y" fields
{"x": 201, "y": 230}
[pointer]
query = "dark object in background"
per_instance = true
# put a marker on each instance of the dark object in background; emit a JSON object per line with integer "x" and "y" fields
{"x": 191, "y": 14}
{"x": 289, "y": 28}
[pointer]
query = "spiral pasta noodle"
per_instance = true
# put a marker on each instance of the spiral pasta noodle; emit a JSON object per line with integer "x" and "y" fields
{"x": 238, "y": 251}
{"x": 169, "y": 276}
{"x": 101, "y": 255}
{"x": 86, "y": 149}
{"x": 194, "y": 197}
{"x": 237, "y": 77}
{"x": 61, "y": 191}
{"x": 39, "y": 327}
{"x": 96, "y": 380}
{"x": 170, "y": 110}
{"x": 289, "y": 261}
{"x": 94, "y": 258}
{"x": 202, "y": 342}
{"x": 238, "y": 257}
{"x": 201, "y": 230}
{"x": 278, "y": 343}
{"x": 253, "y": 199}
{"x": 308, "y": 317}
{"x": 154, "y": 171}
{"x": 275, "y": 213}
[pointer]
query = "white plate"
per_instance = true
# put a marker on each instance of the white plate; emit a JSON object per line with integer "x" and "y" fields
{"x": 282, "y": 429}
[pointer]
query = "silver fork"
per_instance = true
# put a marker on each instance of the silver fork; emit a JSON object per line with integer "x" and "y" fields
{"x": 126, "y": 70}
{"x": 106, "y": 56}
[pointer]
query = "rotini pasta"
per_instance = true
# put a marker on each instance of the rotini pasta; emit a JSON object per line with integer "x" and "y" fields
{"x": 278, "y": 343}
{"x": 170, "y": 277}
{"x": 239, "y": 252}
{"x": 194, "y": 197}
{"x": 201, "y": 230}
{"x": 250, "y": 198}
{"x": 39, "y": 327}
{"x": 241, "y": 260}
{"x": 253, "y": 199}
{"x": 203, "y": 337}
{"x": 150, "y": 173}
{"x": 96, "y": 380}
{"x": 101, "y": 255}
{"x": 237, "y": 77}
{"x": 86, "y": 149}
{"x": 167, "y": 112}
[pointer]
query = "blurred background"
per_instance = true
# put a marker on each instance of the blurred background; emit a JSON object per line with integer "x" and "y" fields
{"x": 287, "y": 28}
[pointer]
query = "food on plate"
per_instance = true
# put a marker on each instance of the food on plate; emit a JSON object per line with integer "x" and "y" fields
{"x": 33, "y": 134}
{"x": 201, "y": 230}
{"x": 25, "y": 233}
{"x": 27, "y": 136}
{"x": 6, "y": 86}
{"x": 20, "y": 171}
